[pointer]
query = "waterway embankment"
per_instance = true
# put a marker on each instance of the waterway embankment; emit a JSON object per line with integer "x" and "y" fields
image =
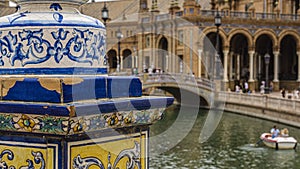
{"x": 267, "y": 106}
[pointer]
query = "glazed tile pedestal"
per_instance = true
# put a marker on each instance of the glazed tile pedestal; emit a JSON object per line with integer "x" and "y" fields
{"x": 78, "y": 122}
{"x": 59, "y": 108}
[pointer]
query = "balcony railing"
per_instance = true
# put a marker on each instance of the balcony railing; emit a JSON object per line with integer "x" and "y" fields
{"x": 211, "y": 13}
{"x": 288, "y": 17}
{"x": 231, "y": 14}
{"x": 265, "y": 16}
{"x": 240, "y": 14}
{"x": 162, "y": 17}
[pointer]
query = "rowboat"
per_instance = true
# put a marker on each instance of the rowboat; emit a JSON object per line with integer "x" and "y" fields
{"x": 280, "y": 142}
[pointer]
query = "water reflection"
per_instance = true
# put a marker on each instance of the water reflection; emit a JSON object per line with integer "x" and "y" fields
{"x": 232, "y": 145}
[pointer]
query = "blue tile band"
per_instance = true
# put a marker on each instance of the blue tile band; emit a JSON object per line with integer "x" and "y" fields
{"x": 53, "y": 71}
{"x": 87, "y": 88}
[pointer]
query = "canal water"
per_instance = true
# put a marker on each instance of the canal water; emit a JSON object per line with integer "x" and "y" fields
{"x": 232, "y": 145}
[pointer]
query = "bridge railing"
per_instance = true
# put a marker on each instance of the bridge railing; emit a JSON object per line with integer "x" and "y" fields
{"x": 178, "y": 78}
{"x": 264, "y": 101}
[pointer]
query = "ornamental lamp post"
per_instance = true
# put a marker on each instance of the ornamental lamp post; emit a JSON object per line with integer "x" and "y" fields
{"x": 218, "y": 23}
{"x": 119, "y": 36}
{"x": 105, "y": 14}
{"x": 267, "y": 61}
{"x": 105, "y": 17}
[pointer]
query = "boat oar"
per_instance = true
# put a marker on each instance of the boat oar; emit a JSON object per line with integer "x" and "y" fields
{"x": 258, "y": 142}
{"x": 295, "y": 147}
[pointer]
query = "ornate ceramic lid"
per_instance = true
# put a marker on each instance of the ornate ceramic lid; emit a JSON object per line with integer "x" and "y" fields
{"x": 47, "y": 1}
{"x": 51, "y": 37}
{"x": 49, "y": 13}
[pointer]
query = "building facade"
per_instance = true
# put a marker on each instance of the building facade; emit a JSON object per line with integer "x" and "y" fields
{"x": 179, "y": 36}
{"x": 183, "y": 40}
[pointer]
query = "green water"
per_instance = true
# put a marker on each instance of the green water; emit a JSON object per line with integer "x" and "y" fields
{"x": 232, "y": 145}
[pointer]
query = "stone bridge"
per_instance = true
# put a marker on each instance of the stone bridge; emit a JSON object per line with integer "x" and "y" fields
{"x": 186, "y": 89}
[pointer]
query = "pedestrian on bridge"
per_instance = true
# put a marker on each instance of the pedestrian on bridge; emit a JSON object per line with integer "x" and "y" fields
{"x": 262, "y": 87}
{"x": 283, "y": 92}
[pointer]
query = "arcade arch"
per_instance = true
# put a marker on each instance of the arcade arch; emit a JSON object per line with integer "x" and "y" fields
{"x": 264, "y": 44}
{"x": 162, "y": 53}
{"x": 209, "y": 49}
{"x": 239, "y": 57}
{"x": 112, "y": 59}
{"x": 127, "y": 59}
{"x": 288, "y": 68}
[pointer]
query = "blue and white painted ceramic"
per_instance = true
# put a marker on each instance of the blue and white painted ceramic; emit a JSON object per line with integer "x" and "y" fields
{"x": 51, "y": 37}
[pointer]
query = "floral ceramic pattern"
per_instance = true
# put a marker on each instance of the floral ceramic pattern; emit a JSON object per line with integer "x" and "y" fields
{"x": 6, "y": 122}
{"x": 114, "y": 120}
{"x": 64, "y": 125}
{"x": 36, "y": 46}
{"x": 43, "y": 124}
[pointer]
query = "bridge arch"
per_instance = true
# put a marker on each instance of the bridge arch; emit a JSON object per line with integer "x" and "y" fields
{"x": 184, "y": 89}
{"x": 183, "y": 96}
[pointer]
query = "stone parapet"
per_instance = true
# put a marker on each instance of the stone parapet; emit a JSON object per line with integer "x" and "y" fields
{"x": 282, "y": 110}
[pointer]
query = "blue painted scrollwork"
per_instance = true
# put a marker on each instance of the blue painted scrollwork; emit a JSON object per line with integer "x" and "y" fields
{"x": 37, "y": 46}
{"x": 55, "y": 6}
{"x": 10, "y": 156}
{"x": 38, "y": 159}
{"x": 133, "y": 156}
{"x": 60, "y": 34}
{"x": 78, "y": 44}
{"x": 33, "y": 47}
{"x": 56, "y": 15}
{"x": 80, "y": 163}
{"x": 17, "y": 16}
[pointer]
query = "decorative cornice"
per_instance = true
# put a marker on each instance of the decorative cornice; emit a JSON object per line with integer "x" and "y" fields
{"x": 45, "y": 124}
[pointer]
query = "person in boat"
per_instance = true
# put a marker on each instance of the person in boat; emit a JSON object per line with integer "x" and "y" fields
{"x": 275, "y": 131}
{"x": 284, "y": 132}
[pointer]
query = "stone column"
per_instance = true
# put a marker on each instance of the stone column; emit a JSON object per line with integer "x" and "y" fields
{"x": 166, "y": 67}
{"x": 225, "y": 78}
{"x": 251, "y": 63}
{"x": 154, "y": 53}
{"x": 191, "y": 50}
{"x": 141, "y": 60}
{"x": 121, "y": 63}
{"x": 265, "y": 6}
{"x": 230, "y": 65}
{"x": 174, "y": 62}
{"x": 206, "y": 64}
{"x": 199, "y": 62}
{"x": 238, "y": 66}
{"x": 132, "y": 61}
{"x": 280, "y": 6}
{"x": 259, "y": 66}
{"x": 298, "y": 54}
{"x": 136, "y": 61}
{"x": 255, "y": 66}
{"x": 276, "y": 56}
